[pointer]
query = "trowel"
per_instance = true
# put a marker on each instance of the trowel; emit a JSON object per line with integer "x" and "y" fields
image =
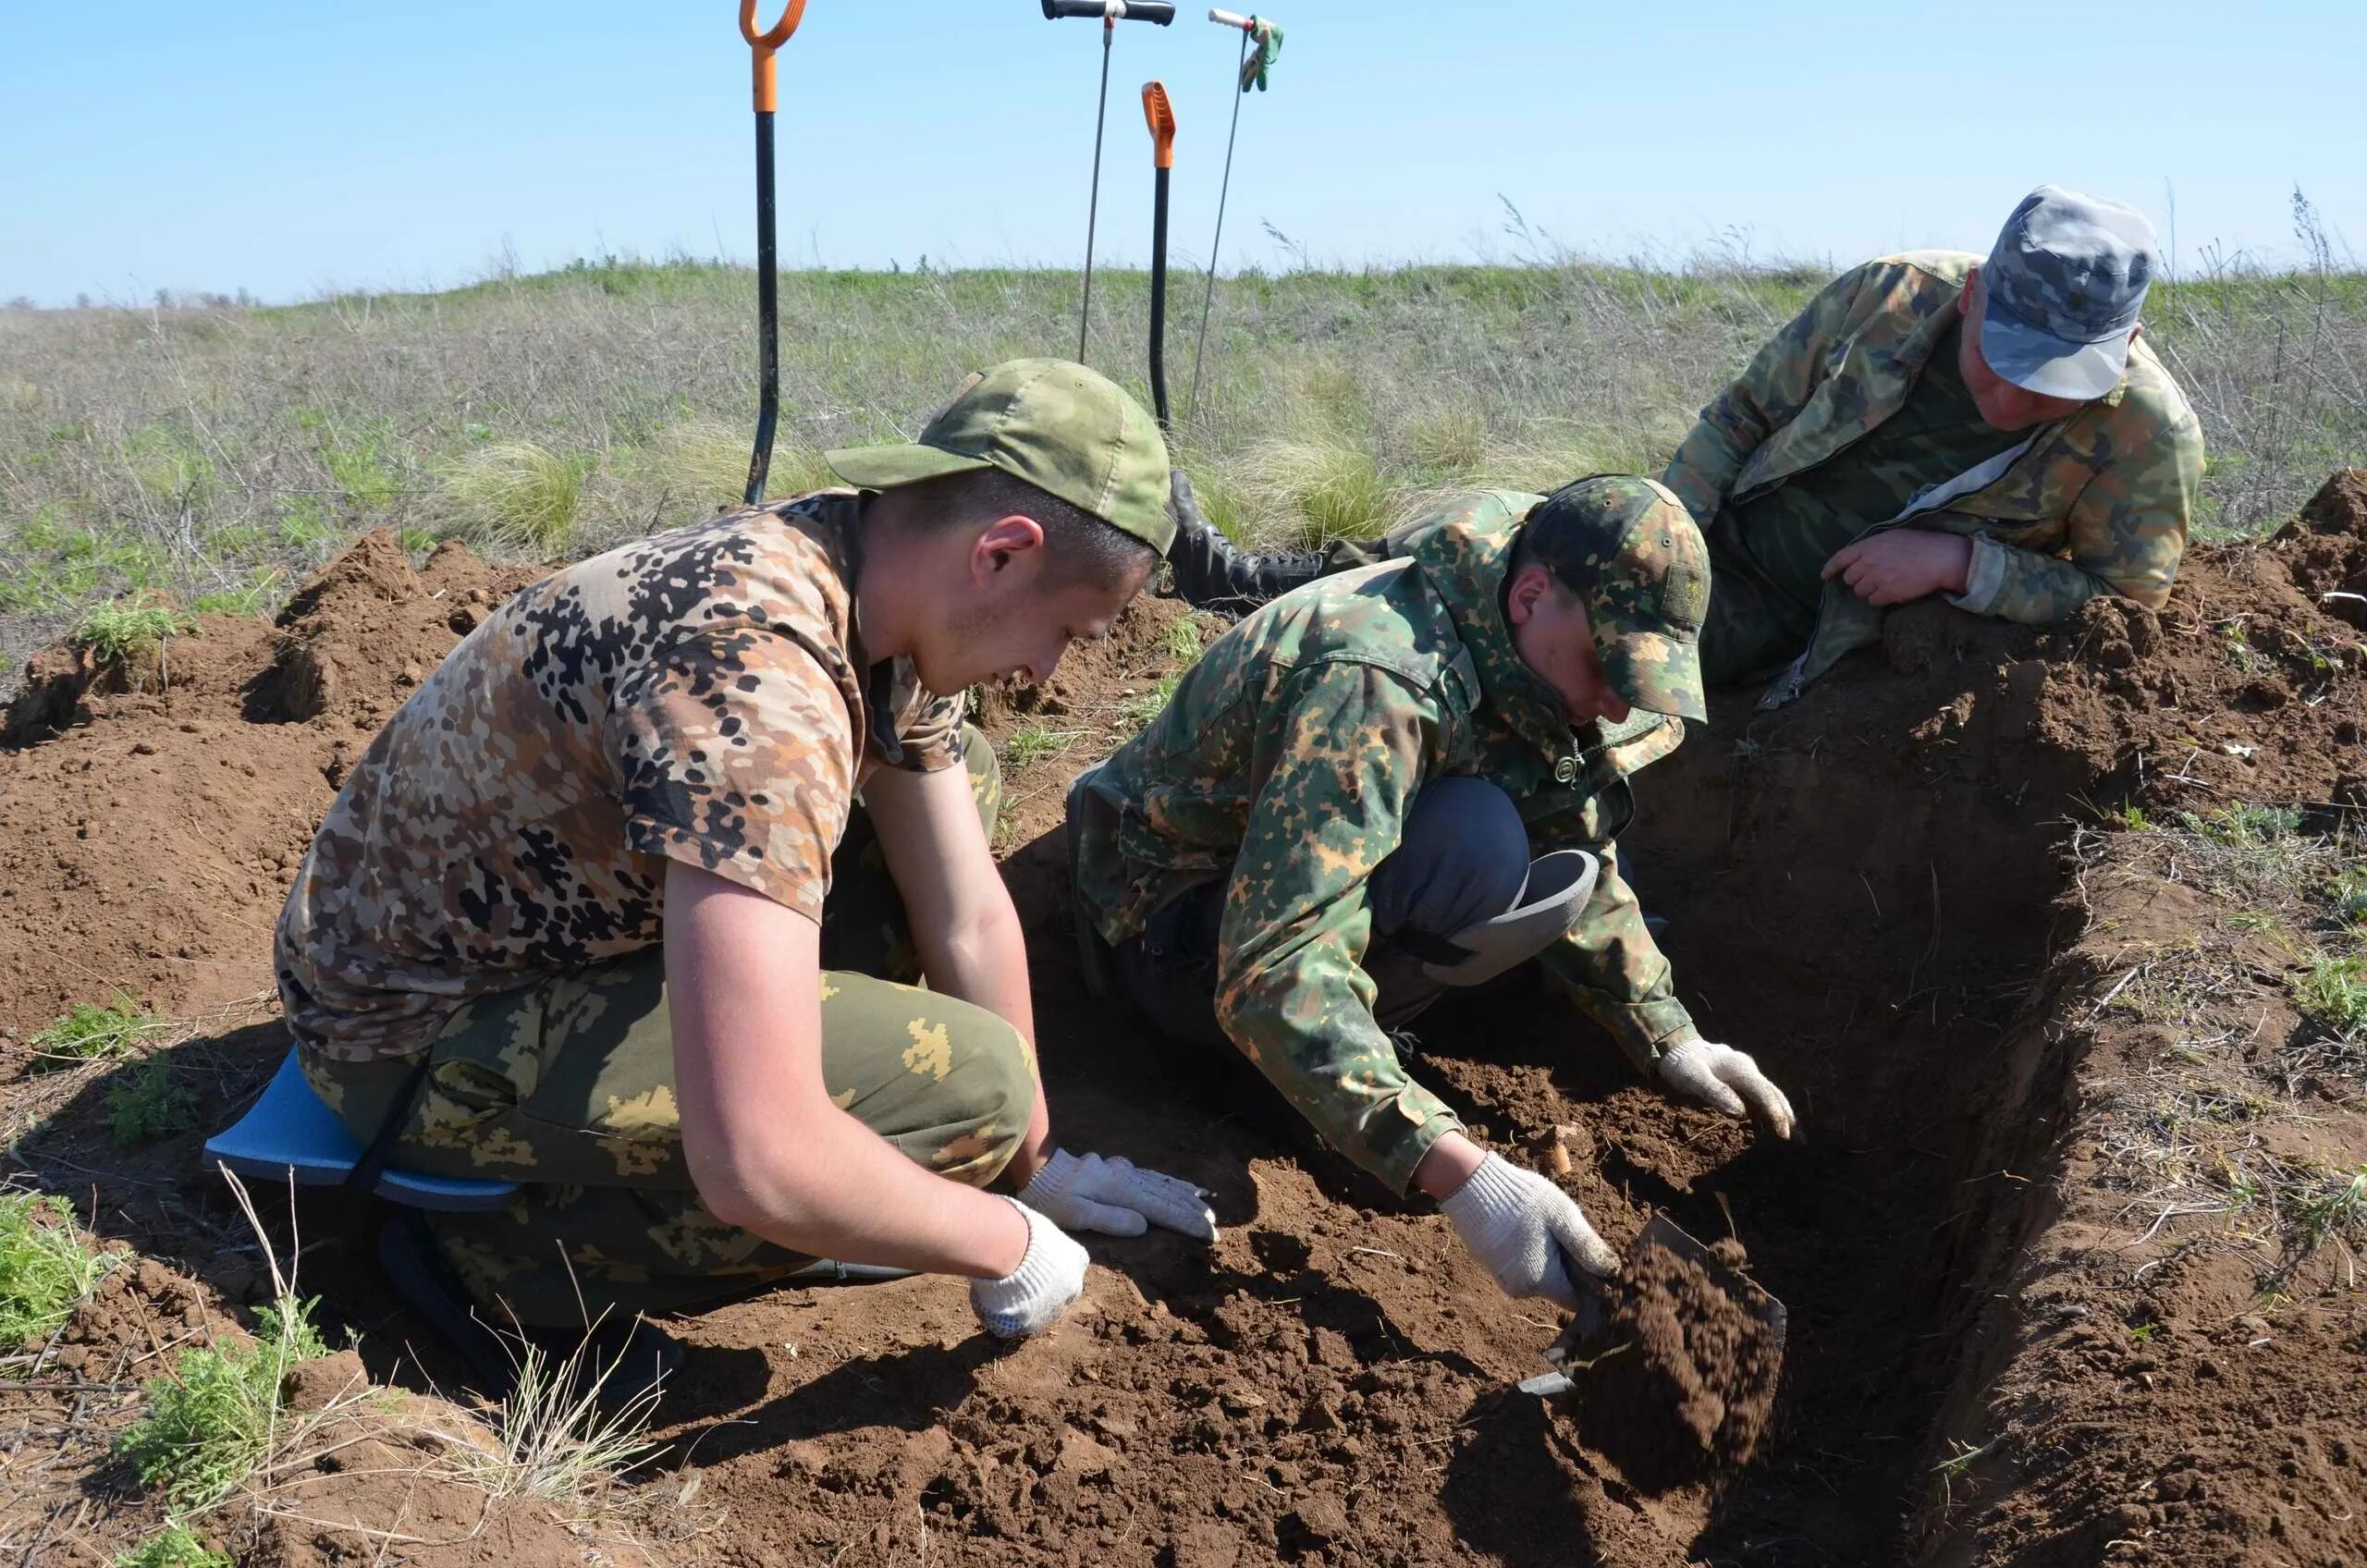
{"x": 1588, "y": 1338}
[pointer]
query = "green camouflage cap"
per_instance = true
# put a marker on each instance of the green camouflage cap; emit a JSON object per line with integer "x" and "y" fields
{"x": 1067, "y": 430}
{"x": 1629, "y": 549}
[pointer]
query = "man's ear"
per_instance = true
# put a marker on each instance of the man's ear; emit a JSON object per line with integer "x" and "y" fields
{"x": 1964, "y": 295}
{"x": 1005, "y": 542}
{"x": 1529, "y": 584}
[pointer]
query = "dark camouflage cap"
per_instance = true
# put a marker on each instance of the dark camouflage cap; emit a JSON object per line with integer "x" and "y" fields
{"x": 1067, "y": 430}
{"x": 1629, "y": 550}
{"x": 2061, "y": 288}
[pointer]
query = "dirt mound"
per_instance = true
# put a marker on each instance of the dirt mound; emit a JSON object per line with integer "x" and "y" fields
{"x": 147, "y": 827}
{"x": 1681, "y": 1342}
{"x": 1862, "y": 890}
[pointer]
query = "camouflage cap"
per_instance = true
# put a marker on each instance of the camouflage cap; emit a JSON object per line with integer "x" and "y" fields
{"x": 2060, "y": 291}
{"x": 1067, "y": 430}
{"x": 1629, "y": 549}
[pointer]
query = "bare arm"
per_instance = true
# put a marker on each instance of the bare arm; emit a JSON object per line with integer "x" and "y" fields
{"x": 968, "y": 934}
{"x": 764, "y": 1146}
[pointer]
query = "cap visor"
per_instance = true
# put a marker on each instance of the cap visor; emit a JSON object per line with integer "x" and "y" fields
{"x": 2042, "y": 363}
{"x": 1658, "y": 674}
{"x": 897, "y": 463}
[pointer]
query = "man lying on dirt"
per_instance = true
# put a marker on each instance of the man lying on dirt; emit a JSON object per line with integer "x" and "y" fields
{"x": 602, "y": 913}
{"x": 1335, "y": 817}
{"x": 1995, "y": 432}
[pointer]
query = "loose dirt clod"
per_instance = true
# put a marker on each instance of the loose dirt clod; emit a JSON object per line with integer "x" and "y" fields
{"x": 1684, "y": 1376}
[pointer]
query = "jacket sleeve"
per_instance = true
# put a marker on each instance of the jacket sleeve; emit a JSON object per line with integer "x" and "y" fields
{"x": 1608, "y": 963}
{"x": 1777, "y": 384}
{"x": 1292, "y": 990}
{"x": 2126, "y": 533}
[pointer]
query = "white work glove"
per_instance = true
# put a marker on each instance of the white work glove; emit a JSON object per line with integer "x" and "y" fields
{"x": 1727, "y": 1079}
{"x": 1032, "y": 1296}
{"x": 1116, "y": 1198}
{"x": 1526, "y": 1233}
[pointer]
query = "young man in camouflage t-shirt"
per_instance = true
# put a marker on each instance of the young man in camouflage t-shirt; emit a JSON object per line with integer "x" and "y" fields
{"x": 602, "y": 910}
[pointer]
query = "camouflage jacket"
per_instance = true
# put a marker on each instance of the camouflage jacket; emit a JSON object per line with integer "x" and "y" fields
{"x": 2098, "y": 503}
{"x": 701, "y": 695}
{"x": 1286, "y": 762}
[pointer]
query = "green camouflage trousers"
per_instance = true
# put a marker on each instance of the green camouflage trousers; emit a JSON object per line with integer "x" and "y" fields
{"x": 1752, "y": 630}
{"x": 567, "y": 1087}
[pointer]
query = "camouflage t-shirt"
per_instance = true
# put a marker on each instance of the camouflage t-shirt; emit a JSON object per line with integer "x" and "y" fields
{"x": 701, "y": 696}
{"x": 1790, "y": 532}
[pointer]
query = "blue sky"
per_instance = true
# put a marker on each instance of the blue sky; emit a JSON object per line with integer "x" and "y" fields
{"x": 287, "y": 149}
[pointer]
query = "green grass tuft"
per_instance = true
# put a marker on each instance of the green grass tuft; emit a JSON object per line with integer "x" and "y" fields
{"x": 172, "y": 1547}
{"x": 1032, "y": 744}
{"x": 2244, "y": 825}
{"x": 208, "y": 1425}
{"x": 2334, "y": 991}
{"x": 518, "y": 492}
{"x": 46, "y": 1265}
{"x": 2338, "y": 1209}
{"x": 87, "y": 1033}
{"x": 252, "y": 597}
{"x": 146, "y": 1102}
{"x": 129, "y": 630}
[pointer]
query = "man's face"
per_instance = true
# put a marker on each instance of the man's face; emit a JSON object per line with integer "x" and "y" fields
{"x": 1006, "y": 620}
{"x": 1554, "y": 637}
{"x": 2002, "y": 405}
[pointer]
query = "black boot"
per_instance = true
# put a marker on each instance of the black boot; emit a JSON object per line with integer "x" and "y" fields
{"x": 1211, "y": 574}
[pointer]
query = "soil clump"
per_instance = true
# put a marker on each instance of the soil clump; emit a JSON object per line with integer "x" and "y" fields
{"x": 1683, "y": 1376}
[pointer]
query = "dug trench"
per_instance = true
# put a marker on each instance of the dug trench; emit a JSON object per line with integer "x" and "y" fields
{"x": 1872, "y": 891}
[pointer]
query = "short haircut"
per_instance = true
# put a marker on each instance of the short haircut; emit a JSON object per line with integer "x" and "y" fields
{"x": 1082, "y": 547}
{"x": 1525, "y": 554}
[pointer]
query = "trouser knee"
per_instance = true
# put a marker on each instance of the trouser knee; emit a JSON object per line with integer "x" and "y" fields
{"x": 1463, "y": 858}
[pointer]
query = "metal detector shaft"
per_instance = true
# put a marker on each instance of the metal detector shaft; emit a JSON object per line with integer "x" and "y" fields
{"x": 1110, "y": 12}
{"x": 1160, "y": 116}
{"x": 767, "y": 99}
{"x": 1249, "y": 28}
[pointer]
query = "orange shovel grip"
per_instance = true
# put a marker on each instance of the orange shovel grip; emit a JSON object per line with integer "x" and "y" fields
{"x": 764, "y": 43}
{"x": 1160, "y": 116}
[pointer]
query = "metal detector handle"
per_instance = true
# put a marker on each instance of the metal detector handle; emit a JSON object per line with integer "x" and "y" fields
{"x": 1158, "y": 11}
{"x": 1160, "y": 116}
{"x": 764, "y": 43}
{"x": 1246, "y": 24}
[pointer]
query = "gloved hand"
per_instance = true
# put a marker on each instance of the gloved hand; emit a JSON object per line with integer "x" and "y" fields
{"x": 1526, "y": 1233}
{"x": 1728, "y": 1080}
{"x": 1032, "y": 1296}
{"x": 1116, "y": 1198}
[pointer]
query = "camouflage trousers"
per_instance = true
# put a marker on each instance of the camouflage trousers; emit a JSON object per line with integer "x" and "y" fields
{"x": 567, "y": 1087}
{"x": 1752, "y": 630}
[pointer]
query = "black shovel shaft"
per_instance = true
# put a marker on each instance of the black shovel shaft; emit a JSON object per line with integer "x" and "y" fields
{"x": 1158, "y": 296}
{"x": 768, "y": 312}
{"x": 1156, "y": 11}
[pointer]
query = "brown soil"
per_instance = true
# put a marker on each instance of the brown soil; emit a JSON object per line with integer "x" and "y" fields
{"x": 1682, "y": 1377}
{"x": 1868, "y": 891}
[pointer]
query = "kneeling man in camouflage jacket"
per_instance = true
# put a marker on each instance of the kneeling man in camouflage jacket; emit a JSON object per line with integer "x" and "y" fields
{"x": 1406, "y": 777}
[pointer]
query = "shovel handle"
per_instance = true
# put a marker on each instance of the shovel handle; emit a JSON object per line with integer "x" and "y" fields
{"x": 1160, "y": 116}
{"x": 764, "y": 43}
{"x": 1158, "y": 11}
{"x": 1246, "y": 24}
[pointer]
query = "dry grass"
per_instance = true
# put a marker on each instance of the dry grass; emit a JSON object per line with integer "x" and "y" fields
{"x": 2217, "y": 1134}
{"x": 218, "y": 453}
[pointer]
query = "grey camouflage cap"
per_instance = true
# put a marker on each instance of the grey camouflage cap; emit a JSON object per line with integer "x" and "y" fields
{"x": 2063, "y": 287}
